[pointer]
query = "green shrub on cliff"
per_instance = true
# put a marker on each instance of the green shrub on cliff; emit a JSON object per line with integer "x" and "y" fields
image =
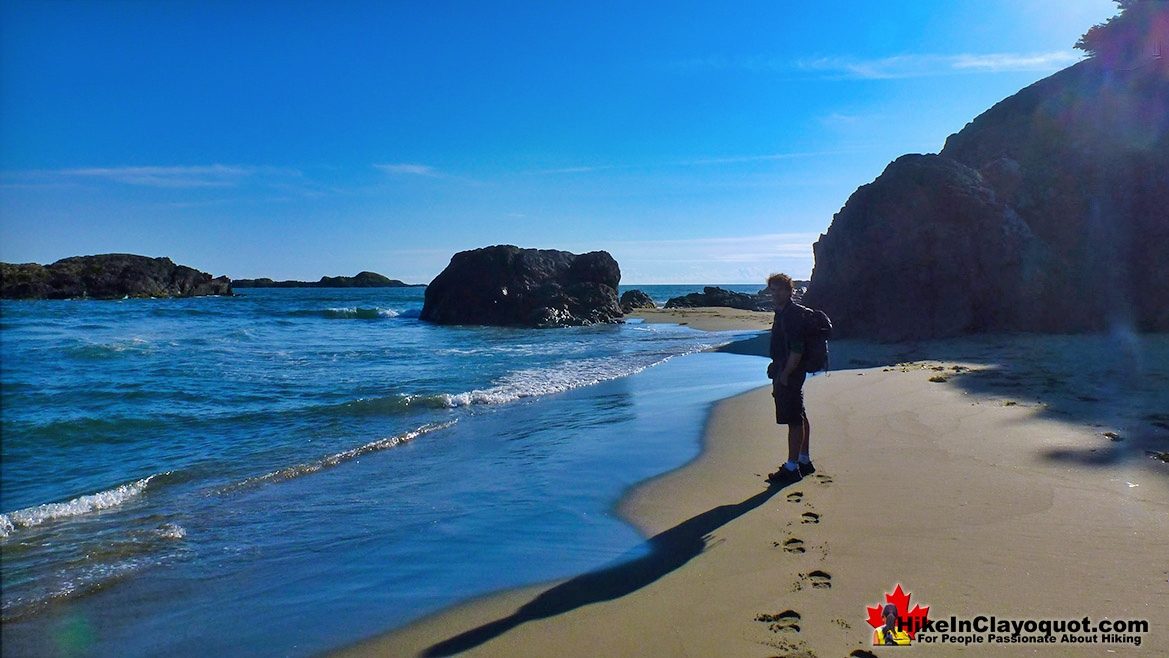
{"x": 1137, "y": 33}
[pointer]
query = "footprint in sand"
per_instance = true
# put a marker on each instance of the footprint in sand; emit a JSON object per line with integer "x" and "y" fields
{"x": 861, "y": 653}
{"x": 810, "y": 517}
{"x": 795, "y": 496}
{"x": 820, "y": 579}
{"x": 787, "y": 621}
{"x": 823, "y": 479}
{"x": 794, "y": 545}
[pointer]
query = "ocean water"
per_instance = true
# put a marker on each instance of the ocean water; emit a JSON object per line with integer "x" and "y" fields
{"x": 288, "y": 471}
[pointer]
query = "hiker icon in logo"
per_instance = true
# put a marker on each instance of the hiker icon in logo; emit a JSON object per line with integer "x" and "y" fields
{"x": 894, "y": 624}
{"x": 890, "y": 634}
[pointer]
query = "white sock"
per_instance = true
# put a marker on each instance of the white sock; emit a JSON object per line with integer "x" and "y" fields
{"x": 790, "y": 465}
{"x": 805, "y": 458}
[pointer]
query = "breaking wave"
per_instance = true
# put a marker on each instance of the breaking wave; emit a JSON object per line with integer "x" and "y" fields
{"x": 339, "y": 458}
{"x": 572, "y": 375}
{"x": 519, "y": 385}
{"x": 102, "y": 500}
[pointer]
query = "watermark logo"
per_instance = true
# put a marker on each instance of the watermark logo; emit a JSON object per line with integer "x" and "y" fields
{"x": 893, "y": 623}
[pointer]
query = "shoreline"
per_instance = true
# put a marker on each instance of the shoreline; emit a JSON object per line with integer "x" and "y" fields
{"x": 919, "y": 481}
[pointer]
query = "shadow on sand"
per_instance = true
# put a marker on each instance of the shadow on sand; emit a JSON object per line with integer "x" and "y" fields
{"x": 1115, "y": 384}
{"x": 661, "y": 554}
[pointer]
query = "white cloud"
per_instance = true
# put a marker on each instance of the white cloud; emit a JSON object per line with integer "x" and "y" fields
{"x": 158, "y": 177}
{"x": 908, "y": 66}
{"x": 694, "y": 162}
{"x": 841, "y": 119}
{"x": 580, "y": 170}
{"x": 1016, "y": 62}
{"x": 894, "y": 66}
{"x": 409, "y": 169}
{"x": 181, "y": 176}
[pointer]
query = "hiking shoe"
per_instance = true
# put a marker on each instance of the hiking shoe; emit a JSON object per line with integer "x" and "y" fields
{"x": 783, "y": 477}
{"x": 807, "y": 469}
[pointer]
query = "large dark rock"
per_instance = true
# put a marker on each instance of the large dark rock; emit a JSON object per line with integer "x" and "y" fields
{"x": 713, "y": 296}
{"x": 108, "y": 276}
{"x": 635, "y": 299}
{"x": 506, "y": 285}
{"x": 1083, "y": 158}
{"x": 362, "y": 280}
{"x": 927, "y": 250}
{"x": 1046, "y": 213}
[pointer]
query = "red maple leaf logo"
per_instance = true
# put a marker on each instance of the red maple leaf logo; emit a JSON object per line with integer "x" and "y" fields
{"x": 909, "y": 620}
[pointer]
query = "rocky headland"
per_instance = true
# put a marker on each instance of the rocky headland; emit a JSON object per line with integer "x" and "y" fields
{"x": 108, "y": 276}
{"x": 508, "y": 286}
{"x": 1046, "y": 213}
{"x": 362, "y": 280}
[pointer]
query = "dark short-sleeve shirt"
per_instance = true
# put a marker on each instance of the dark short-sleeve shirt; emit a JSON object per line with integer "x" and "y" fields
{"x": 787, "y": 332}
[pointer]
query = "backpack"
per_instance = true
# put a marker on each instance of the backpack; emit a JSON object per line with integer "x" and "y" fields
{"x": 817, "y": 330}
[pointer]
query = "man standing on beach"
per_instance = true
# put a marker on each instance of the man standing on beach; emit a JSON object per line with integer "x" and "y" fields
{"x": 787, "y": 347}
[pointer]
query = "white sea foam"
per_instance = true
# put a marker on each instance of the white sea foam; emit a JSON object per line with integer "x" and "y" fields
{"x": 341, "y": 457}
{"x": 171, "y": 531}
{"x": 131, "y": 346}
{"x": 361, "y": 313}
{"x": 566, "y": 377}
{"x": 510, "y": 350}
{"x": 34, "y": 516}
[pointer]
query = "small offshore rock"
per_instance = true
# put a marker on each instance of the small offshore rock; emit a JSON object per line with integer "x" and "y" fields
{"x": 635, "y": 299}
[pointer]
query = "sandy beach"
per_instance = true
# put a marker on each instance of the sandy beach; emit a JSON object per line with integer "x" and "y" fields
{"x": 1016, "y": 476}
{"x": 707, "y": 319}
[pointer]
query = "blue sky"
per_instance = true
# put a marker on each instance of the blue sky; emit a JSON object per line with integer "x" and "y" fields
{"x": 696, "y": 142}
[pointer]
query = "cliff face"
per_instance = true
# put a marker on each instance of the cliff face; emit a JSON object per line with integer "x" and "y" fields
{"x": 108, "y": 276}
{"x": 927, "y": 250}
{"x": 1083, "y": 157}
{"x": 1048, "y": 212}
